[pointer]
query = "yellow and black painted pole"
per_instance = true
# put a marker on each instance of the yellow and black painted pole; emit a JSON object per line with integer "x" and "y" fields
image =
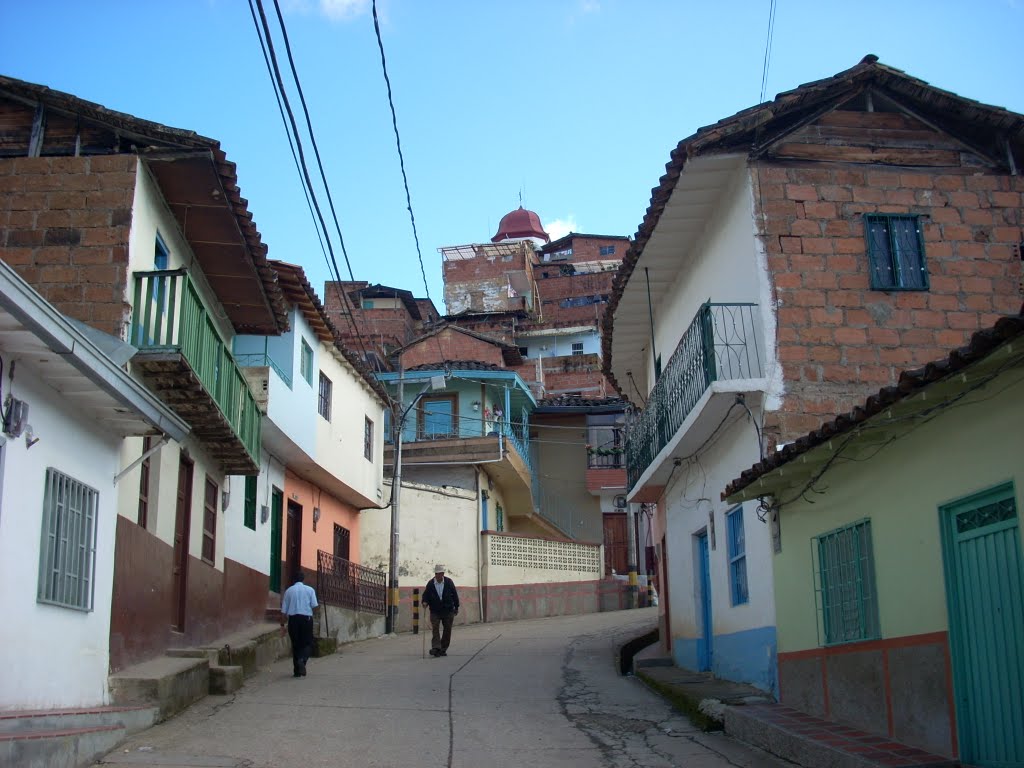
{"x": 650, "y": 591}
{"x": 416, "y": 611}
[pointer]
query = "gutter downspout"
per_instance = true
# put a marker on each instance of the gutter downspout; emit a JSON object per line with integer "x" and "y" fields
{"x": 479, "y": 571}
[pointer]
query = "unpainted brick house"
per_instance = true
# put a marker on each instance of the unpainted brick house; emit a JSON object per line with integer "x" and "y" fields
{"x": 794, "y": 258}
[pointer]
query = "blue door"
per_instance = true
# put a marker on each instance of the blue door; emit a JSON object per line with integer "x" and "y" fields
{"x": 985, "y": 595}
{"x": 704, "y": 643}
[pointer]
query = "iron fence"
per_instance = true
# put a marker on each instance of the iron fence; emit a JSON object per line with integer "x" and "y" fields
{"x": 346, "y": 584}
{"x": 721, "y": 343}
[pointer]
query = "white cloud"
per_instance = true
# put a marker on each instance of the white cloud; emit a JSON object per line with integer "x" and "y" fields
{"x": 561, "y": 227}
{"x": 335, "y": 10}
{"x": 590, "y": 6}
{"x": 343, "y": 10}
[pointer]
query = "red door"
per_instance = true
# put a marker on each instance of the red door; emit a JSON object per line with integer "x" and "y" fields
{"x": 182, "y": 523}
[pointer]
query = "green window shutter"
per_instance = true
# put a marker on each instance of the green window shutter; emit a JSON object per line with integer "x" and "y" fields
{"x": 250, "y": 502}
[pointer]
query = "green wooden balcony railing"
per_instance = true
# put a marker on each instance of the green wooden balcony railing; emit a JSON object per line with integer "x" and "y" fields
{"x": 721, "y": 343}
{"x": 169, "y": 316}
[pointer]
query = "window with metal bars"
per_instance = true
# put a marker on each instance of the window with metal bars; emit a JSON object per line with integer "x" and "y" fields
{"x": 67, "y": 563}
{"x": 895, "y": 252}
{"x": 845, "y": 584}
{"x": 250, "y": 503}
{"x": 324, "y": 401}
{"x": 368, "y": 439}
{"x": 577, "y": 348}
{"x": 737, "y": 557}
{"x": 210, "y": 522}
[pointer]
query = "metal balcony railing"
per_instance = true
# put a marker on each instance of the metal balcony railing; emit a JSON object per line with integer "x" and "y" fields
{"x": 263, "y": 360}
{"x": 606, "y": 449}
{"x": 169, "y": 316}
{"x": 721, "y": 343}
{"x": 346, "y": 584}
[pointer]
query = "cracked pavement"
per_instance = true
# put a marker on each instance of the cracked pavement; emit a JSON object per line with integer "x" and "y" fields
{"x": 544, "y": 693}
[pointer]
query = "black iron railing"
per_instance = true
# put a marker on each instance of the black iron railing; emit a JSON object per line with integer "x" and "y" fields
{"x": 721, "y": 343}
{"x": 345, "y": 584}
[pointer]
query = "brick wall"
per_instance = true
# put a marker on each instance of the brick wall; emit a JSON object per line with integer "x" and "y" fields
{"x": 64, "y": 226}
{"x": 838, "y": 340}
{"x": 450, "y": 345}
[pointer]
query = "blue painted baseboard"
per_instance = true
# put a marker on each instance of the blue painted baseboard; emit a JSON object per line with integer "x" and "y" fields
{"x": 743, "y": 657}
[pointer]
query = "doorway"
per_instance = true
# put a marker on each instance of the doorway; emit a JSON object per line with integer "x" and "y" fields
{"x": 182, "y": 526}
{"x": 704, "y": 647}
{"x": 984, "y": 591}
{"x": 276, "y": 526}
{"x": 293, "y": 540}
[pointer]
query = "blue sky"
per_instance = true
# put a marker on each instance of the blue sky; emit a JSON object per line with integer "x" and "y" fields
{"x": 576, "y": 104}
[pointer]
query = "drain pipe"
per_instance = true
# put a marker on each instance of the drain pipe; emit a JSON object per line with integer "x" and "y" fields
{"x": 479, "y": 546}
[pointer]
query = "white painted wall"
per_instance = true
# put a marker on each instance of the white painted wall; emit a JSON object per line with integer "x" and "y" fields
{"x": 51, "y": 656}
{"x": 692, "y": 495}
{"x": 725, "y": 268}
{"x": 435, "y": 525}
{"x": 561, "y": 344}
{"x": 339, "y": 442}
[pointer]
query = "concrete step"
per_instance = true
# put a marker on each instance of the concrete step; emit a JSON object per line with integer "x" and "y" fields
{"x": 225, "y": 680}
{"x": 132, "y": 719}
{"x": 67, "y": 747}
{"x": 170, "y": 684}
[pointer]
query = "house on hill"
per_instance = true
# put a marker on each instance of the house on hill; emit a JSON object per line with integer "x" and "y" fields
{"x": 794, "y": 258}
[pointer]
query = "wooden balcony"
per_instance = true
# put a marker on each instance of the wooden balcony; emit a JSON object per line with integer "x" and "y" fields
{"x": 186, "y": 363}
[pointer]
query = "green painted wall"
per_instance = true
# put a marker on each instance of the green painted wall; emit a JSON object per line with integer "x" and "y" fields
{"x": 964, "y": 449}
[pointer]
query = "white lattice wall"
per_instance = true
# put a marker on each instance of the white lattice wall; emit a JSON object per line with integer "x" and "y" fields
{"x": 520, "y": 560}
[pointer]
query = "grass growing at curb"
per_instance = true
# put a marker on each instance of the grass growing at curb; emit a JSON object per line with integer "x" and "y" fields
{"x": 688, "y": 706}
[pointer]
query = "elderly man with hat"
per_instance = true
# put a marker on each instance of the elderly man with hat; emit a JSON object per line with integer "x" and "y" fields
{"x": 442, "y": 598}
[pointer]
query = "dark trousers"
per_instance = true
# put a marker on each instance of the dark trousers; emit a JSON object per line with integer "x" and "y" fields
{"x": 300, "y": 630}
{"x": 437, "y": 639}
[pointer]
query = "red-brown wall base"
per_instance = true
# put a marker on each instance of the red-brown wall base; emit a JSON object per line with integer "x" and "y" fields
{"x": 218, "y": 602}
{"x": 901, "y": 688}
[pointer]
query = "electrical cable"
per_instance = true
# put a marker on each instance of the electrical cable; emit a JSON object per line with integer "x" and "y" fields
{"x": 767, "y": 49}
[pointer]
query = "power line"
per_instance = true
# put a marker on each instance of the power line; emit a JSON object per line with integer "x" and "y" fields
{"x": 768, "y": 49}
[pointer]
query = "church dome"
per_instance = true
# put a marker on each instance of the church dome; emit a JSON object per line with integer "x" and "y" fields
{"x": 521, "y": 224}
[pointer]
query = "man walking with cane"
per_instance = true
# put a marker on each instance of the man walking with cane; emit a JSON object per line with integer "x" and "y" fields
{"x": 297, "y": 609}
{"x": 443, "y": 599}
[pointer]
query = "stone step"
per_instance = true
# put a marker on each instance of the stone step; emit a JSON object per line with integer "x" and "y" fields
{"x": 169, "y": 683}
{"x": 58, "y": 747}
{"x": 132, "y": 719}
{"x": 225, "y": 680}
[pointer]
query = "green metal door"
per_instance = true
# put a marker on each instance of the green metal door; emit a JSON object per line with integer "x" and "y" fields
{"x": 276, "y": 516}
{"x": 985, "y": 594}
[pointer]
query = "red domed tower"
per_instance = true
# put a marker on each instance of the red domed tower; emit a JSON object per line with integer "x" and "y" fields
{"x": 521, "y": 224}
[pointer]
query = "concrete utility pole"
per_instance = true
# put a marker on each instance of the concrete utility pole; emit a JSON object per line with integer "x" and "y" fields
{"x": 398, "y": 422}
{"x": 401, "y": 412}
{"x": 631, "y": 558}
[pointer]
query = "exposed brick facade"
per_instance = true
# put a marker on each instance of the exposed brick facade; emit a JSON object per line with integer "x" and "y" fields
{"x": 839, "y": 340}
{"x": 449, "y": 344}
{"x": 64, "y": 226}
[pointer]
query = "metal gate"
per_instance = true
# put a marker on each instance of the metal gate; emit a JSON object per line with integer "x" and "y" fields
{"x": 985, "y": 592}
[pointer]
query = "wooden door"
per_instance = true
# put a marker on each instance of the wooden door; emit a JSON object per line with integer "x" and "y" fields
{"x": 276, "y": 531}
{"x": 293, "y": 542}
{"x": 182, "y": 525}
{"x": 616, "y": 544}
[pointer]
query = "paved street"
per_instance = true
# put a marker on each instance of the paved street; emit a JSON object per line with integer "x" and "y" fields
{"x": 530, "y": 693}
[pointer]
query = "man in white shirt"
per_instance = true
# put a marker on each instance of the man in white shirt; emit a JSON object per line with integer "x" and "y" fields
{"x": 297, "y": 609}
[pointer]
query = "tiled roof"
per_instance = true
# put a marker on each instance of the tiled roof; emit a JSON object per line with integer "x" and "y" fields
{"x": 910, "y": 382}
{"x": 759, "y": 126}
{"x": 459, "y": 365}
{"x": 572, "y": 400}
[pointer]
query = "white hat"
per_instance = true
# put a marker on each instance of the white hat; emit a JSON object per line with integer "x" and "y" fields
{"x": 439, "y": 568}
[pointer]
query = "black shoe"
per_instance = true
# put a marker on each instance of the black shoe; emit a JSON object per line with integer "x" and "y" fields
{"x": 434, "y": 652}
{"x": 442, "y": 653}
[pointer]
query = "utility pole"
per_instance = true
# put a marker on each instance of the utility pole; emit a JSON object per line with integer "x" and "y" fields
{"x": 631, "y": 557}
{"x": 398, "y": 421}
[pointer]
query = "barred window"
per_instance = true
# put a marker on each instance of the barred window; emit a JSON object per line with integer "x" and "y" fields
{"x": 577, "y": 348}
{"x": 845, "y": 584}
{"x": 324, "y": 401}
{"x": 67, "y": 561}
{"x": 737, "y": 557}
{"x": 143, "y": 518}
{"x": 368, "y": 439}
{"x": 896, "y": 252}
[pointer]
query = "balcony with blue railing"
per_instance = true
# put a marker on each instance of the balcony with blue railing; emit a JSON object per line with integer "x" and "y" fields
{"x": 720, "y": 350}
{"x": 185, "y": 361}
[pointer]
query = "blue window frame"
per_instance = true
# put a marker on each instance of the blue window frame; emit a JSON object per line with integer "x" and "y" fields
{"x": 607, "y": 250}
{"x": 737, "y": 556}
